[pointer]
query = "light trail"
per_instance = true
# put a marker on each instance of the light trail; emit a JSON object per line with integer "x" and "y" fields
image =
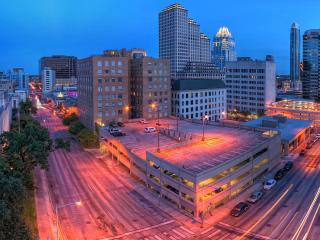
{"x": 303, "y": 222}
{"x": 266, "y": 213}
{"x": 312, "y": 221}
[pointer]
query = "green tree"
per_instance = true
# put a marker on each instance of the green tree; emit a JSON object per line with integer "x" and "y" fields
{"x": 76, "y": 127}
{"x": 88, "y": 139}
{"x": 27, "y": 107}
{"x": 70, "y": 119}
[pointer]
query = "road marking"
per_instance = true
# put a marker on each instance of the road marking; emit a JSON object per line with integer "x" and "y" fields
{"x": 281, "y": 223}
{"x": 178, "y": 233}
{"x": 312, "y": 221}
{"x": 157, "y": 237}
{"x": 306, "y": 216}
{"x": 187, "y": 230}
{"x": 139, "y": 230}
{"x": 284, "y": 230}
{"x": 266, "y": 213}
{"x": 214, "y": 233}
{"x": 207, "y": 230}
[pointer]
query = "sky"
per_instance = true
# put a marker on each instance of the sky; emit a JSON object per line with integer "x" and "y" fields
{"x": 30, "y": 29}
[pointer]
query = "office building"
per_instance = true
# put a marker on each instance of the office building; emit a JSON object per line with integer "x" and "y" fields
{"x": 65, "y": 68}
{"x": 5, "y": 82}
{"x": 150, "y": 87}
{"x": 180, "y": 38}
{"x": 223, "y": 48}
{"x": 251, "y": 84}
{"x": 193, "y": 173}
{"x": 201, "y": 70}
{"x": 311, "y": 64}
{"x": 295, "y": 57}
{"x": 19, "y": 78}
{"x": 5, "y": 111}
{"x": 196, "y": 98}
{"x": 48, "y": 77}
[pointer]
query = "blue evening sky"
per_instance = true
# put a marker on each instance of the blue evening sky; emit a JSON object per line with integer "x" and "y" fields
{"x": 34, "y": 28}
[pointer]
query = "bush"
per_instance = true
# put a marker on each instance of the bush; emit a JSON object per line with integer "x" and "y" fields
{"x": 88, "y": 139}
{"x": 76, "y": 127}
{"x": 70, "y": 119}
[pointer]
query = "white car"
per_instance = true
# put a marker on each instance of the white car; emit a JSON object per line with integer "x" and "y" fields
{"x": 113, "y": 130}
{"x": 143, "y": 121}
{"x": 269, "y": 184}
{"x": 149, "y": 129}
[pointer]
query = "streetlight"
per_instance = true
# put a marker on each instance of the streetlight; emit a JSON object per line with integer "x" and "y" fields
{"x": 154, "y": 106}
{"x": 78, "y": 203}
{"x": 204, "y": 118}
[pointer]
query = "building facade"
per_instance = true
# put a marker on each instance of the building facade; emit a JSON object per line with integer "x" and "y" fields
{"x": 223, "y": 48}
{"x": 150, "y": 87}
{"x": 251, "y": 84}
{"x": 295, "y": 57}
{"x": 65, "y": 68}
{"x": 48, "y": 77}
{"x": 5, "y": 111}
{"x": 201, "y": 70}
{"x": 180, "y": 38}
{"x": 19, "y": 78}
{"x": 311, "y": 64}
{"x": 195, "y": 98}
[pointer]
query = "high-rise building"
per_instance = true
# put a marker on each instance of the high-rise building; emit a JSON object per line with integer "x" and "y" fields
{"x": 5, "y": 82}
{"x": 311, "y": 64}
{"x": 201, "y": 70}
{"x": 295, "y": 57}
{"x": 122, "y": 84}
{"x": 251, "y": 84}
{"x": 48, "y": 77}
{"x": 65, "y": 68}
{"x": 150, "y": 85}
{"x": 180, "y": 38}
{"x": 19, "y": 78}
{"x": 223, "y": 48}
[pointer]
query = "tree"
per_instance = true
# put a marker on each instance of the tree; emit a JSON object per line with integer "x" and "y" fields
{"x": 60, "y": 143}
{"x": 76, "y": 127}
{"x": 27, "y": 107}
{"x": 70, "y": 119}
{"x": 88, "y": 139}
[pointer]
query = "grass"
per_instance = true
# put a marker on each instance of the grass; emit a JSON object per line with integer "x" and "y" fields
{"x": 29, "y": 213}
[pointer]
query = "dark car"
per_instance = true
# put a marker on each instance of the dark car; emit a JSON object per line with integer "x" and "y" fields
{"x": 303, "y": 152}
{"x": 239, "y": 209}
{"x": 118, "y": 134}
{"x": 120, "y": 124}
{"x": 287, "y": 167}
{"x": 279, "y": 174}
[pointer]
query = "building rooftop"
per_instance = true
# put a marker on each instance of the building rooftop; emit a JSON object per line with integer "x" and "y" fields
{"x": 288, "y": 129}
{"x": 222, "y": 143}
{"x": 296, "y": 105}
{"x": 197, "y": 84}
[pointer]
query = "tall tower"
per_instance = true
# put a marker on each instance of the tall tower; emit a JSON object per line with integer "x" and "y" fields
{"x": 311, "y": 64}
{"x": 223, "y": 49}
{"x": 180, "y": 38}
{"x": 295, "y": 57}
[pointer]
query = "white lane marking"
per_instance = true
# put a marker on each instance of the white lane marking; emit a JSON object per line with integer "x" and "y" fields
{"x": 178, "y": 233}
{"x": 139, "y": 230}
{"x": 187, "y": 230}
{"x": 207, "y": 230}
{"x": 214, "y": 233}
{"x": 281, "y": 223}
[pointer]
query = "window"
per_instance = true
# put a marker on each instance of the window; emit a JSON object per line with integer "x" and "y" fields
{"x": 99, "y": 63}
{"x": 119, "y": 79}
{"x": 119, "y": 63}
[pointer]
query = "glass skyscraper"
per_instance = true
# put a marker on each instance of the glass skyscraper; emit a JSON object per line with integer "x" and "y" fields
{"x": 295, "y": 57}
{"x": 223, "y": 49}
{"x": 311, "y": 66}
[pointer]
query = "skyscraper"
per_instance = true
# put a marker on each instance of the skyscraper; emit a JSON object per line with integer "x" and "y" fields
{"x": 311, "y": 65}
{"x": 48, "y": 80}
{"x": 295, "y": 57}
{"x": 223, "y": 49}
{"x": 180, "y": 38}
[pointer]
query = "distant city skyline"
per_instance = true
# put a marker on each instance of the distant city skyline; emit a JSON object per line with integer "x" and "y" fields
{"x": 46, "y": 28}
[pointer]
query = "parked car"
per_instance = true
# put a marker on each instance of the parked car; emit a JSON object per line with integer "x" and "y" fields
{"x": 143, "y": 121}
{"x": 302, "y": 152}
{"x": 118, "y": 134}
{"x": 269, "y": 184}
{"x": 255, "y": 196}
{"x": 239, "y": 209}
{"x": 279, "y": 174}
{"x": 120, "y": 124}
{"x": 149, "y": 129}
{"x": 113, "y": 130}
{"x": 287, "y": 167}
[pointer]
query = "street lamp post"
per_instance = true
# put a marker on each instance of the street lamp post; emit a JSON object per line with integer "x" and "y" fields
{"x": 203, "y": 120}
{"x": 57, "y": 214}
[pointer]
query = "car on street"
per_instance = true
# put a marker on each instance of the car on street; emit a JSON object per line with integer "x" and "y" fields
{"x": 279, "y": 174}
{"x": 113, "y": 130}
{"x": 287, "y": 167}
{"x": 143, "y": 121}
{"x": 149, "y": 129}
{"x": 302, "y": 152}
{"x": 269, "y": 184}
{"x": 120, "y": 124}
{"x": 118, "y": 134}
{"x": 239, "y": 209}
{"x": 255, "y": 196}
